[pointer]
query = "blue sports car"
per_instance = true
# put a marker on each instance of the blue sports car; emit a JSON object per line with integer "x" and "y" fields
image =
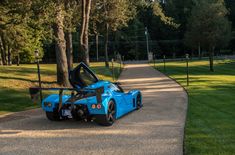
{"x": 90, "y": 99}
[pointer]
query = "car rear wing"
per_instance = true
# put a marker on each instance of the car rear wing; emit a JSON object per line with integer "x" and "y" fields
{"x": 35, "y": 93}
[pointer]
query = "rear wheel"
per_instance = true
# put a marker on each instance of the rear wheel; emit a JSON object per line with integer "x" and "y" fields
{"x": 138, "y": 102}
{"x": 53, "y": 116}
{"x": 109, "y": 118}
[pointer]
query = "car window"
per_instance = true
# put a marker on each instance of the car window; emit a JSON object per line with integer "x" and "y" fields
{"x": 114, "y": 88}
{"x": 86, "y": 77}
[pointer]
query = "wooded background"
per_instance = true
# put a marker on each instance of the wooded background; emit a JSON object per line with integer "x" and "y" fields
{"x": 67, "y": 31}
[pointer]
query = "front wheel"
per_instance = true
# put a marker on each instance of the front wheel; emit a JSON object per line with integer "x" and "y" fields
{"x": 138, "y": 102}
{"x": 109, "y": 118}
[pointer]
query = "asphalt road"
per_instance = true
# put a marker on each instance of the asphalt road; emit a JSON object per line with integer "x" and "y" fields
{"x": 155, "y": 129}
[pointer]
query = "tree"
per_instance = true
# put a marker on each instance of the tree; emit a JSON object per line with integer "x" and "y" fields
{"x": 96, "y": 26}
{"x": 208, "y": 27}
{"x": 113, "y": 15}
{"x": 84, "y": 34}
{"x": 231, "y": 8}
{"x": 61, "y": 59}
{"x": 71, "y": 21}
{"x": 68, "y": 34}
{"x": 179, "y": 10}
{"x": 160, "y": 24}
{"x": 53, "y": 13}
{"x": 24, "y": 26}
{"x": 49, "y": 16}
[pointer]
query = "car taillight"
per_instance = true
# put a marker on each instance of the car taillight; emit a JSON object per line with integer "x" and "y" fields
{"x": 93, "y": 106}
{"x": 98, "y": 106}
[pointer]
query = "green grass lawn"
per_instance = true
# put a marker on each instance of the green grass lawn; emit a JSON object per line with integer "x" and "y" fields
{"x": 15, "y": 81}
{"x": 210, "y": 126}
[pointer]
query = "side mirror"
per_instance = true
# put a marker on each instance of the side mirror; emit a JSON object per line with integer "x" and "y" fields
{"x": 117, "y": 83}
{"x": 130, "y": 92}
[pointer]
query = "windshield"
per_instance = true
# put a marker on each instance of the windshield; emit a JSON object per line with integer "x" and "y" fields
{"x": 114, "y": 88}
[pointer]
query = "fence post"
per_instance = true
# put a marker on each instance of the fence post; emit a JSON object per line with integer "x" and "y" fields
{"x": 39, "y": 73}
{"x": 187, "y": 68}
{"x": 113, "y": 71}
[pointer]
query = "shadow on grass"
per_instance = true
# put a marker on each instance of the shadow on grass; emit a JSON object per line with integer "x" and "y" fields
{"x": 98, "y": 70}
{"x": 220, "y": 69}
{"x": 24, "y": 79}
{"x": 25, "y": 71}
{"x": 15, "y": 100}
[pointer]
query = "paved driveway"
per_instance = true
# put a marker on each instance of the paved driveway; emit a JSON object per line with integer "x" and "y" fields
{"x": 155, "y": 129}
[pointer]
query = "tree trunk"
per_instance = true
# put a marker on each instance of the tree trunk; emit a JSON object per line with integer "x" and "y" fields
{"x": 211, "y": 57}
{"x": 3, "y": 57}
{"x": 0, "y": 59}
{"x": 69, "y": 50}
{"x": 86, "y": 7}
{"x": 3, "y": 52}
{"x": 106, "y": 40}
{"x": 69, "y": 38}
{"x": 199, "y": 51}
{"x": 18, "y": 59}
{"x": 97, "y": 46}
{"x": 9, "y": 56}
{"x": 61, "y": 59}
{"x": 136, "y": 44}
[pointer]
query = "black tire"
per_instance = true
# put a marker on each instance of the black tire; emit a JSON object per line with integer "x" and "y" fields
{"x": 53, "y": 116}
{"x": 138, "y": 102}
{"x": 109, "y": 118}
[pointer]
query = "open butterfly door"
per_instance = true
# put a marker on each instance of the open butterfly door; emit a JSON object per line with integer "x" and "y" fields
{"x": 82, "y": 76}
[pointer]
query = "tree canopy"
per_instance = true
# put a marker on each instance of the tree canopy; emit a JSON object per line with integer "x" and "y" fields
{"x": 65, "y": 31}
{"x": 208, "y": 27}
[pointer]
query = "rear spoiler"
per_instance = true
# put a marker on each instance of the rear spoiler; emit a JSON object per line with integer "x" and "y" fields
{"x": 36, "y": 90}
{"x": 35, "y": 93}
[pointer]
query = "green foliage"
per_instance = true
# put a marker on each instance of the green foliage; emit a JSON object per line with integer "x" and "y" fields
{"x": 30, "y": 23}
{"x": 150, "y": 9}
{"x": 72, "y": 13}
{"x": 230, "y": 4}
{"x": 157, "y": 11}
{"x": 112, "y": 12}
{"x": 208, "y": 25}
{"x": 22, "y": 27}
{"x": 26, "y": 25}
